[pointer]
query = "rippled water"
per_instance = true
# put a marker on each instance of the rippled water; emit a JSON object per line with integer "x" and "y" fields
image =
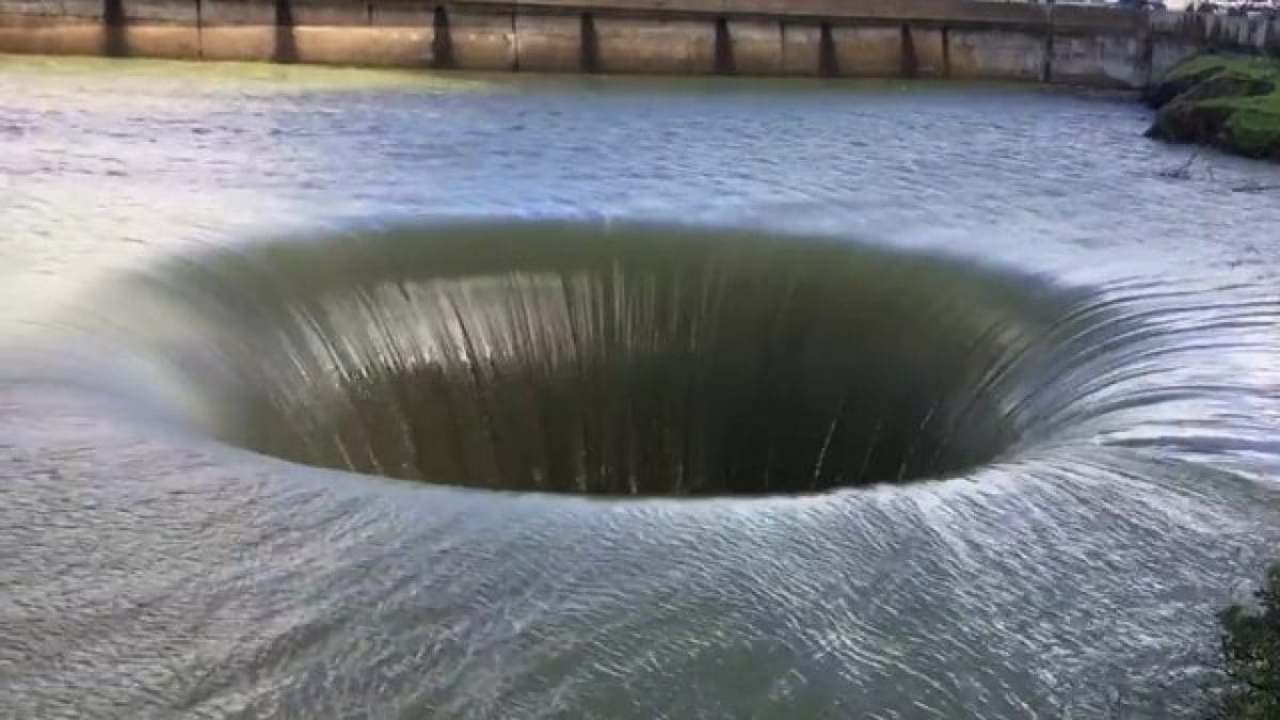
{"x": 200, "y": 259}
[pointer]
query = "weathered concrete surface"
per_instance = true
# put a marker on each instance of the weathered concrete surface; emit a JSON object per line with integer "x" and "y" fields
{"x": 175, "y": 42}
{"x": 868, "y": 51}
{"x": 156, "y": 28}
{"x": 801, "y": 49}
{"x": 548, "y": 42}
{"x": 52, "y": 27}
{"x": 412, "y": 14}
{"x": 482, "y": 39}
{"x": 883, "y": 38}
{"x": 1225, "y": 30}
{"x": 250, "y": 43}
{"x": 949, "y": 12}
{"x": 1098, "y": 60}
{"x": 1095, "y": 46}
{"x": 757, "y": 46}
{"x": 43, "y": 35}
{"x": 160, "y": 12}
{"x": 371, "y": 46}
{"x": 929, "y": 50}
{"x": 261, "y": 13}
{"x": 1091, "y": 19}
{"x": 238, "y": 30}
{"x": 88, "y": 9}
{"x": 1165, "y": 53}
{"x": 997, "y": 54}
{"x": 657, "y": 46}
{"x": 328, "y": 13}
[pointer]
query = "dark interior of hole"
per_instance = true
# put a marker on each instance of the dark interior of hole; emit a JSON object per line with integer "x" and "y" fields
{"x": 613, "y": 363}
{"x": 681, "y": 423}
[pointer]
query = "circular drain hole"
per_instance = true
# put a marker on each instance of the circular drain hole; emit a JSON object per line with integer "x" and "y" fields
{"x": 632, "y": 361}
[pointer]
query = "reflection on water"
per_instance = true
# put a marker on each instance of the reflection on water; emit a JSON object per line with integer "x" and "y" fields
{"x": 1073, "y": 355}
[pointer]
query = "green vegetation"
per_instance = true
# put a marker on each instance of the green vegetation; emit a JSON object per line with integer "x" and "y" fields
{"x": 1251, "y": 656}
{"x": 1199, "y": 65}
{"x": 1229, "y": 102}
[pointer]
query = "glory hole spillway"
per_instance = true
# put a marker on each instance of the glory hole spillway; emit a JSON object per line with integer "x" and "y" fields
{"x": 333, "y": 392}
{"x": 632, "y": 361}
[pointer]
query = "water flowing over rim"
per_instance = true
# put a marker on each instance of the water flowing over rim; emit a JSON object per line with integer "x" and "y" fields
{"x": 307, "y": 348}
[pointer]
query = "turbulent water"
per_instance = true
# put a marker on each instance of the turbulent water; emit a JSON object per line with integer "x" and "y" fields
{"x": 767, "y": 399}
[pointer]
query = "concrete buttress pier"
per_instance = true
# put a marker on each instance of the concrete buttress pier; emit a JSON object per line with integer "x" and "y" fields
{"x": 1088, "y": 45}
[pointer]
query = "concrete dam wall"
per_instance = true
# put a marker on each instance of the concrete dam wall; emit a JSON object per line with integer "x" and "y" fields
{"x": 1088, "y": 45}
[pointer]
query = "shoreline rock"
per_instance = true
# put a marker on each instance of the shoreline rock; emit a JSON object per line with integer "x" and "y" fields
{"x": 1230, "y": 103}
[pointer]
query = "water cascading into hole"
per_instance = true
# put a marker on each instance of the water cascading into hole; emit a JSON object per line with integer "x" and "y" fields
{"x": 632, "y": 361}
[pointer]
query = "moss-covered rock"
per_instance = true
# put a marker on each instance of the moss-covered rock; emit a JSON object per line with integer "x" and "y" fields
{"x": 1251, "y": 656}
{"x": 1230, "y": 103}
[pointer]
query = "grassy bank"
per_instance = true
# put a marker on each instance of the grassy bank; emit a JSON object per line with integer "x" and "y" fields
{"x": 1229, "y": 102}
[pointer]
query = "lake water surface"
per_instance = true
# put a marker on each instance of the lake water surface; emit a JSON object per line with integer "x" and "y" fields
{"x": 979, "y": 403}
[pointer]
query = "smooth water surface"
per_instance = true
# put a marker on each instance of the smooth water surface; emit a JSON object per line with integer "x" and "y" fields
{"x": 201, "y": 262}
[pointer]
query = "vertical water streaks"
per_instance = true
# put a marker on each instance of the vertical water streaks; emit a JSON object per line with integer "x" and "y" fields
{"x": 442, "y": 41}
{"x": 588, "y": 45}
{"x": 286, "y": 50}
{"x": 628, "y": 362}
{"x": 725, "y": 64}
